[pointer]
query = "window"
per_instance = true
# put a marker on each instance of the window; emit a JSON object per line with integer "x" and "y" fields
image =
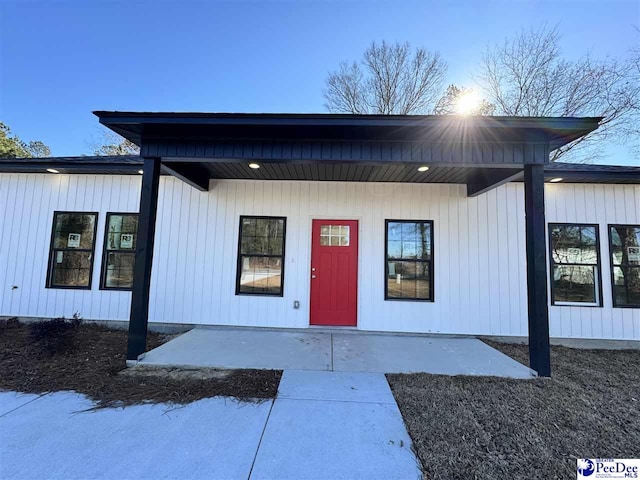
{"x": 71, "y": 253}
{"x": 261, "y": 256}
{"x": 409, "y": 260}
{"x": 575, "y": 264}
{"x": 624, "y": 244}
{"x": 119, "y": 252}
{"x": 334, "y": 235}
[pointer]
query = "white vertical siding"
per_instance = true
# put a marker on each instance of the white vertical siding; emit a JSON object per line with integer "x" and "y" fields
{"x": 479, "y": 251}
{"x": 601, "y": 205}
{"x": 27, "y": 203}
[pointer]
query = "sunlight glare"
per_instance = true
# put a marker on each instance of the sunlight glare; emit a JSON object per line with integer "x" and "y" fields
{"x": 467, "y": 103}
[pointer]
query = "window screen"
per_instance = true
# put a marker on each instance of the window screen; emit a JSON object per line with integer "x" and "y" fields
{"x": 71, "y": 251}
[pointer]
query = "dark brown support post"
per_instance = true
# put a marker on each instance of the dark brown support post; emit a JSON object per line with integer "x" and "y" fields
{"x": 139, "y": 317}
{"x": 539, "y": 351}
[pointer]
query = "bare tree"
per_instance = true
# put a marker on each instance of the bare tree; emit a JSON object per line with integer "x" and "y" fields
{"x": 110, "y": 144}
{"x": 449, "y": 102}
{"x": 389, "y": 79}
{"x": 527, "y": 76}
{"x": 631, "y": 129}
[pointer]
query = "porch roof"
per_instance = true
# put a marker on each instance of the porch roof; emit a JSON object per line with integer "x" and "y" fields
{"x": 140, "y": 127}
{"x": 481, "y": 152}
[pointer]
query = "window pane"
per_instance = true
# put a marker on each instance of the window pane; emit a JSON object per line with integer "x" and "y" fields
{"x": 626, "y": 286}
{"x": 574, "y": 284}
{"x": 409, "y": 231}
{"x": 625, "y": 245}
{"x": 71, "y": 269}
{"x": 262, "y": 236}
{"x": 575, "y": 254}
{"x": 334, "y": 235}
{"x": 255, "y": 245}
{"x": 74, "y": 230}
{"x": 119, "y": 270}
{"x": 423, "y": 241}
{"x": 409, "y": 240}
{"x": 249, "y": 227}
{"x": 394, "y": 248}
{"x": 408, "y": 249}
{"x": 408, "y": 280}
{"x": 275, "y": 246}
{"x": 260, "y": 275}
{"x": 122, "y": 233}
{"x": 574, "y": 244}
{"x": 394, "y": 231}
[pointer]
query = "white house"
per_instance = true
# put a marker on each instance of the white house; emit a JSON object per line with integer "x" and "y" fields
{"x": 386, "y": 223}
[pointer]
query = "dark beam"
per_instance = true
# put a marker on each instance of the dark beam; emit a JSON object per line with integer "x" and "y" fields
{"x": 539, "y": 350}
{"x": 484, "y": 180}
{"x": 139, "y": 316}
{"x": 192, "y": 174}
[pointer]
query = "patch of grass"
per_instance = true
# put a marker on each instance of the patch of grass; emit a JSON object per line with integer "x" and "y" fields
{"x": 488, "y": 427}
{"x": 90, "y": 359}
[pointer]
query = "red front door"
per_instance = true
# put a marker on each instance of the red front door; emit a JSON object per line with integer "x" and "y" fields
{"x": 334, "y": 272}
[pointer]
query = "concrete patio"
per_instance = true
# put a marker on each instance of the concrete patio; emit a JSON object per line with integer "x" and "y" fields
{"x": 346, "y": 351}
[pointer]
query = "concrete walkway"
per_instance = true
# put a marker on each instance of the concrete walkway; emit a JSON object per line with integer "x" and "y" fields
{"x": 322, "y": 425}
{"x": 340, "y": 352}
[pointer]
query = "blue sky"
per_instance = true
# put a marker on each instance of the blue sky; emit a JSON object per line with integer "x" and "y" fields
{"x": 60, "y": 60}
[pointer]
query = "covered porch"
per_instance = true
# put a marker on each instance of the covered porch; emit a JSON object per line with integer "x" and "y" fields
{"x": 333, "y": 350}
{"x": 481, "y": 153}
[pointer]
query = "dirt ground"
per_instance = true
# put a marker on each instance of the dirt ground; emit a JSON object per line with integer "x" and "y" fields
{"x": 92, "y": 361}
{"x": 489, "y": 428}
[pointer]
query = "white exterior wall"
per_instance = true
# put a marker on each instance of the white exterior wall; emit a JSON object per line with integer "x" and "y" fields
{"x": 479, "y": 252}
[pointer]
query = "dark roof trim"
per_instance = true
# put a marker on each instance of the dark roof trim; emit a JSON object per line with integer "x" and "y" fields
{"x": 130, "y": 164}
{"x": 586, "y": 173}
{"x": 111, "y": 165}
{"x": 140, "y": 127}
{"x": 81, "y": 160}
{"x": 344, "y": 119}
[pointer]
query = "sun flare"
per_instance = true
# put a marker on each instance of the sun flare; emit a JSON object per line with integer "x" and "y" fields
{"x": 467, "y": 103}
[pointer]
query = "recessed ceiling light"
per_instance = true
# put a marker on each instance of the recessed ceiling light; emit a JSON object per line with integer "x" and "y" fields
{"x": 52, "y": 170}
{"x": 254, "y": 165}
{"x": 556, "y": 180}
{"x": 140, "y": 172}
{"x": 423, "y": 168}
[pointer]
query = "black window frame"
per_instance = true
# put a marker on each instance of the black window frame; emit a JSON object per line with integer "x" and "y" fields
{"x": 240, "y": 255}
{"x": 611, "y": 265}
{"x": 431, "y": 298}
{"x": 106, "y": 251}
{"x": 53, "y": 250}
{"x": 600, "y": 297}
